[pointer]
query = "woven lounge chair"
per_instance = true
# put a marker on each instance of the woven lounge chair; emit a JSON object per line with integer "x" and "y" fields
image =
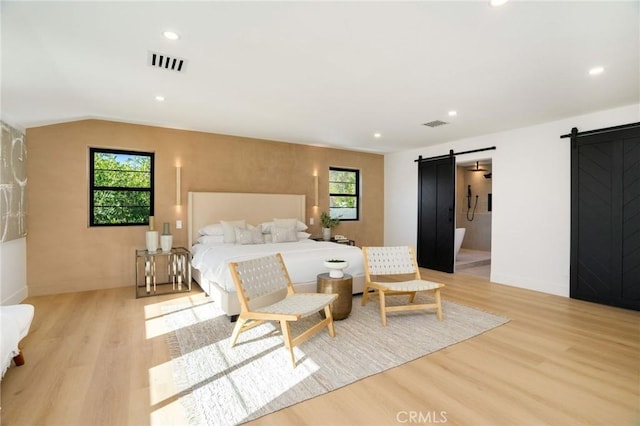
{"x": 265, "y": 293}
{"x": 380, "y": 264}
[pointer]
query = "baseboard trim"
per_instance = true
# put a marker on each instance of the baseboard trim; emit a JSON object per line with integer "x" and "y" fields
{"x": 16, "y": 297}
{"x": 521, "y": 282}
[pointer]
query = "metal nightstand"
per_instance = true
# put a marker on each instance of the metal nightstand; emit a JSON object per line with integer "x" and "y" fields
{"x": 174, "y": 275}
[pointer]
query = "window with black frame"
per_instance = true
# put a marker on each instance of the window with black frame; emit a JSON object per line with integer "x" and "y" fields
{"x": 120, "y": 187}
{"x": 344, "y": 193}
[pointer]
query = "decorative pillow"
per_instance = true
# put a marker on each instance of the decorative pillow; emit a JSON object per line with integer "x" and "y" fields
{"x": 213, "y": 229}
{"x": 211, "y": 239}
{"x": 268, "y": 238}
{"x": 229, "y": 229}
{"x": 283, "y": 235}
{"x": 249, "y": 236}
{"x": 290, "y": 223}
{"x": 303, "y": 235}
{"x": 256, "y": 235}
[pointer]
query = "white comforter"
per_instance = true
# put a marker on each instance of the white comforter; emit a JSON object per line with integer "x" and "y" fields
{"x": 304, "y": 259}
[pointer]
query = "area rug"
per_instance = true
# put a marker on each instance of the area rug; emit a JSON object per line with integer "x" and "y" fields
{"x": 226, "y": 386}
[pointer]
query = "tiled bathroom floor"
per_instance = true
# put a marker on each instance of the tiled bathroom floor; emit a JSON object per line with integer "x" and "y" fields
{"x": 474, "y": 262}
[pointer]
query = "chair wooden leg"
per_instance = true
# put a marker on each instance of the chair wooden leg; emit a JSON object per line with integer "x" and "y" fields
{"x": 383, "y": 309}
{"x": 286, "y": 336}
{"x": 365, "y": 295}
{"x": 237, "y": 329}
{"x": 329, "y": 316}
{"x": 412, "y": 297}
{"x": 436, "y": 296}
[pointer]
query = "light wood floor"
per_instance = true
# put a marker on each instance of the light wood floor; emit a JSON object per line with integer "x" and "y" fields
{"x": 100, "y": 358}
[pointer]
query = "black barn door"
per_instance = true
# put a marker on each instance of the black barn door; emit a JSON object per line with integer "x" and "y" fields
{"x": 436, "y": 207}
{"x": 605, "y": 218}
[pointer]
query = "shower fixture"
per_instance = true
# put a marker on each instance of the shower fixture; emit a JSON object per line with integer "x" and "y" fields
{"x": 488, "y": 175}
{"x": 471, "y": 216}
{"x": 477, "y": 168}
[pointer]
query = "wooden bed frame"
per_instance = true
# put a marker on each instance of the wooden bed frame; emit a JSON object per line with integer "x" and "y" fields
{"x": 206, "y": 208}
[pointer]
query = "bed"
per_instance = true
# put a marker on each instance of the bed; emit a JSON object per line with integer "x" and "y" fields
{"x": 211, "y": 214}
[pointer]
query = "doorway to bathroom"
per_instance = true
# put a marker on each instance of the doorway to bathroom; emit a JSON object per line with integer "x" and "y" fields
{"x": 474, "y": 205}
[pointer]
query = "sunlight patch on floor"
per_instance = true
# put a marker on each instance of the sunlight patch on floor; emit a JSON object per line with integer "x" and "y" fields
{"x": 210, "y": 373}
{"x": 161, "y": 383}
{"x": 171, "y": 414}
{"x": 164, "y": 396}
{"x": 156, "y": 323}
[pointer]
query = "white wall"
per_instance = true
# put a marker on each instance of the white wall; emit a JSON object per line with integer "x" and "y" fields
{"x": 13, "y": 271}
{"x": 531, "y": 197}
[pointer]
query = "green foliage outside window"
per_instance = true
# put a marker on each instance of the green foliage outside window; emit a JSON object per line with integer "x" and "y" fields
{"x": 121, "y": 187}
{"x": 344, "y": 193}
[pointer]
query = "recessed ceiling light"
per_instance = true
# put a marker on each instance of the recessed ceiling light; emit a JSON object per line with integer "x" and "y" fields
{"x": 453, "y": 113}
{"x": 596, "y": 70}
{"x": 496, "y": 3}
{"x": 170, "y": 35}
{"x": 377, "y": 135}
{"x": 159, "y": 98}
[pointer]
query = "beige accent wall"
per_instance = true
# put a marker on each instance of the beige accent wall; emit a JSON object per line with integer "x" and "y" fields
{"x": 64, "y": 254}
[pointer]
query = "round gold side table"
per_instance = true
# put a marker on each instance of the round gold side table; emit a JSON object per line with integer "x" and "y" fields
{"x": 341, "y": 307}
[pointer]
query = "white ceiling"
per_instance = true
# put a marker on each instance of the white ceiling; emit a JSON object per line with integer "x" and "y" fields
{"x": 320, "y": 73}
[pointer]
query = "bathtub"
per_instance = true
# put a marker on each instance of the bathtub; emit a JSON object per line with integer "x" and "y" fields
{"x": 458, "y": 241}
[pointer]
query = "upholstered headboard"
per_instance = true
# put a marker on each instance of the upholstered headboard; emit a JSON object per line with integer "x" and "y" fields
{"x": 211, "y": 207}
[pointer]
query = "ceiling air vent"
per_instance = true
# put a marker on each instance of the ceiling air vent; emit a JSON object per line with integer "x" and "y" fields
{"x": 435, "y": 123}
{"x": 166, "y": 62}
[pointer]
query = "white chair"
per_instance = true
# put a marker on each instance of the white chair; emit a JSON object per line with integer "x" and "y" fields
{"x": 265, "y": 293}
{"x": 381, "y": 264}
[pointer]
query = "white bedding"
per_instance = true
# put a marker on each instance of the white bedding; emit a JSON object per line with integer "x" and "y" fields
{"x": 304, "y": 259}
